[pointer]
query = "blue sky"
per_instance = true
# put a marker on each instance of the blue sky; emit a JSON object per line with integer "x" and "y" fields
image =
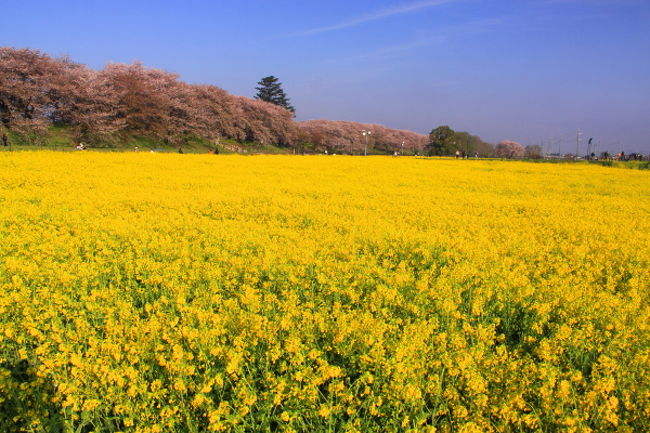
{"x": 527, "y": 70}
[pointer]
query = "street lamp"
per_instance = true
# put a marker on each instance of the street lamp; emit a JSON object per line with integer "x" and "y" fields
{"x": 402, "y": 152}
{"x": 365, "y": 135}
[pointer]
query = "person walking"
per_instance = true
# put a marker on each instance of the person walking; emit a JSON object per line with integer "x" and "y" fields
{"x": 4, "y": 140}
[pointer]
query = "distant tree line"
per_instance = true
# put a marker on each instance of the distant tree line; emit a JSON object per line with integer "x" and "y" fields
{"x": 103, "y": 106}
{"x": 346, "y": 137}
{"x": 444, "y": 141}
{"x": 121, "y": 100}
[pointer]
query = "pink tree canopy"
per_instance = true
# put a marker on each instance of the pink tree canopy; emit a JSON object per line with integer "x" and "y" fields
{"x": 510, "y": 149}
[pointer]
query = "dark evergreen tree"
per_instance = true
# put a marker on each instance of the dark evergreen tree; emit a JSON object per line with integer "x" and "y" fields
{"x": 442, "y": 141}
{"x": 270, "y": 90}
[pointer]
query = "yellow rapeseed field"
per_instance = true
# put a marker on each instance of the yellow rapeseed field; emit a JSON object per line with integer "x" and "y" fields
{"x": 189, "y": 293}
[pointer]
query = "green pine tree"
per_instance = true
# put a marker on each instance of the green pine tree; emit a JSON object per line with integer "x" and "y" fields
{"x": 270, "y": 90}
{"x": 442, "y": 141}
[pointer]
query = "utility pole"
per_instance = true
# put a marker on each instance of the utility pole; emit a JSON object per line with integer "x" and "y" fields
{"x": 578, "y": 143}
{"x": 590, "y": 148}
{"x": 365, "y": 135}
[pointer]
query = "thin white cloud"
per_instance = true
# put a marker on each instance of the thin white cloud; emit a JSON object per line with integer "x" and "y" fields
{"x": 593, "y": 2}
{"x": 446, "y": 33}
{"x": 374, "y": 16}
{"x": 430, "y": 38}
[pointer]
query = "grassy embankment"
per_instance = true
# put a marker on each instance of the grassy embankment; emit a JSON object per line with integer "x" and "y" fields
{"x": 63, "y": 139}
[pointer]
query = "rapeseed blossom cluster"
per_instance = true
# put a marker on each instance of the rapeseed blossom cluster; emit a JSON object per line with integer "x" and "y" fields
{"x": 189, "y": 293}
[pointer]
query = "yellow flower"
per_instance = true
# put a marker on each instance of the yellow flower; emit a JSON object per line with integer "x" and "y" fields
{"x": 157, "y": 289}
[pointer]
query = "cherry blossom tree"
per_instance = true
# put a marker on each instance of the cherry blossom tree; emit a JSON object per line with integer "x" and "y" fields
{"x": 510, "y": 149}
{"x": 346, "y": 137}
{"x": 123, "y": 100}
{"x": 26, "y": 78}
